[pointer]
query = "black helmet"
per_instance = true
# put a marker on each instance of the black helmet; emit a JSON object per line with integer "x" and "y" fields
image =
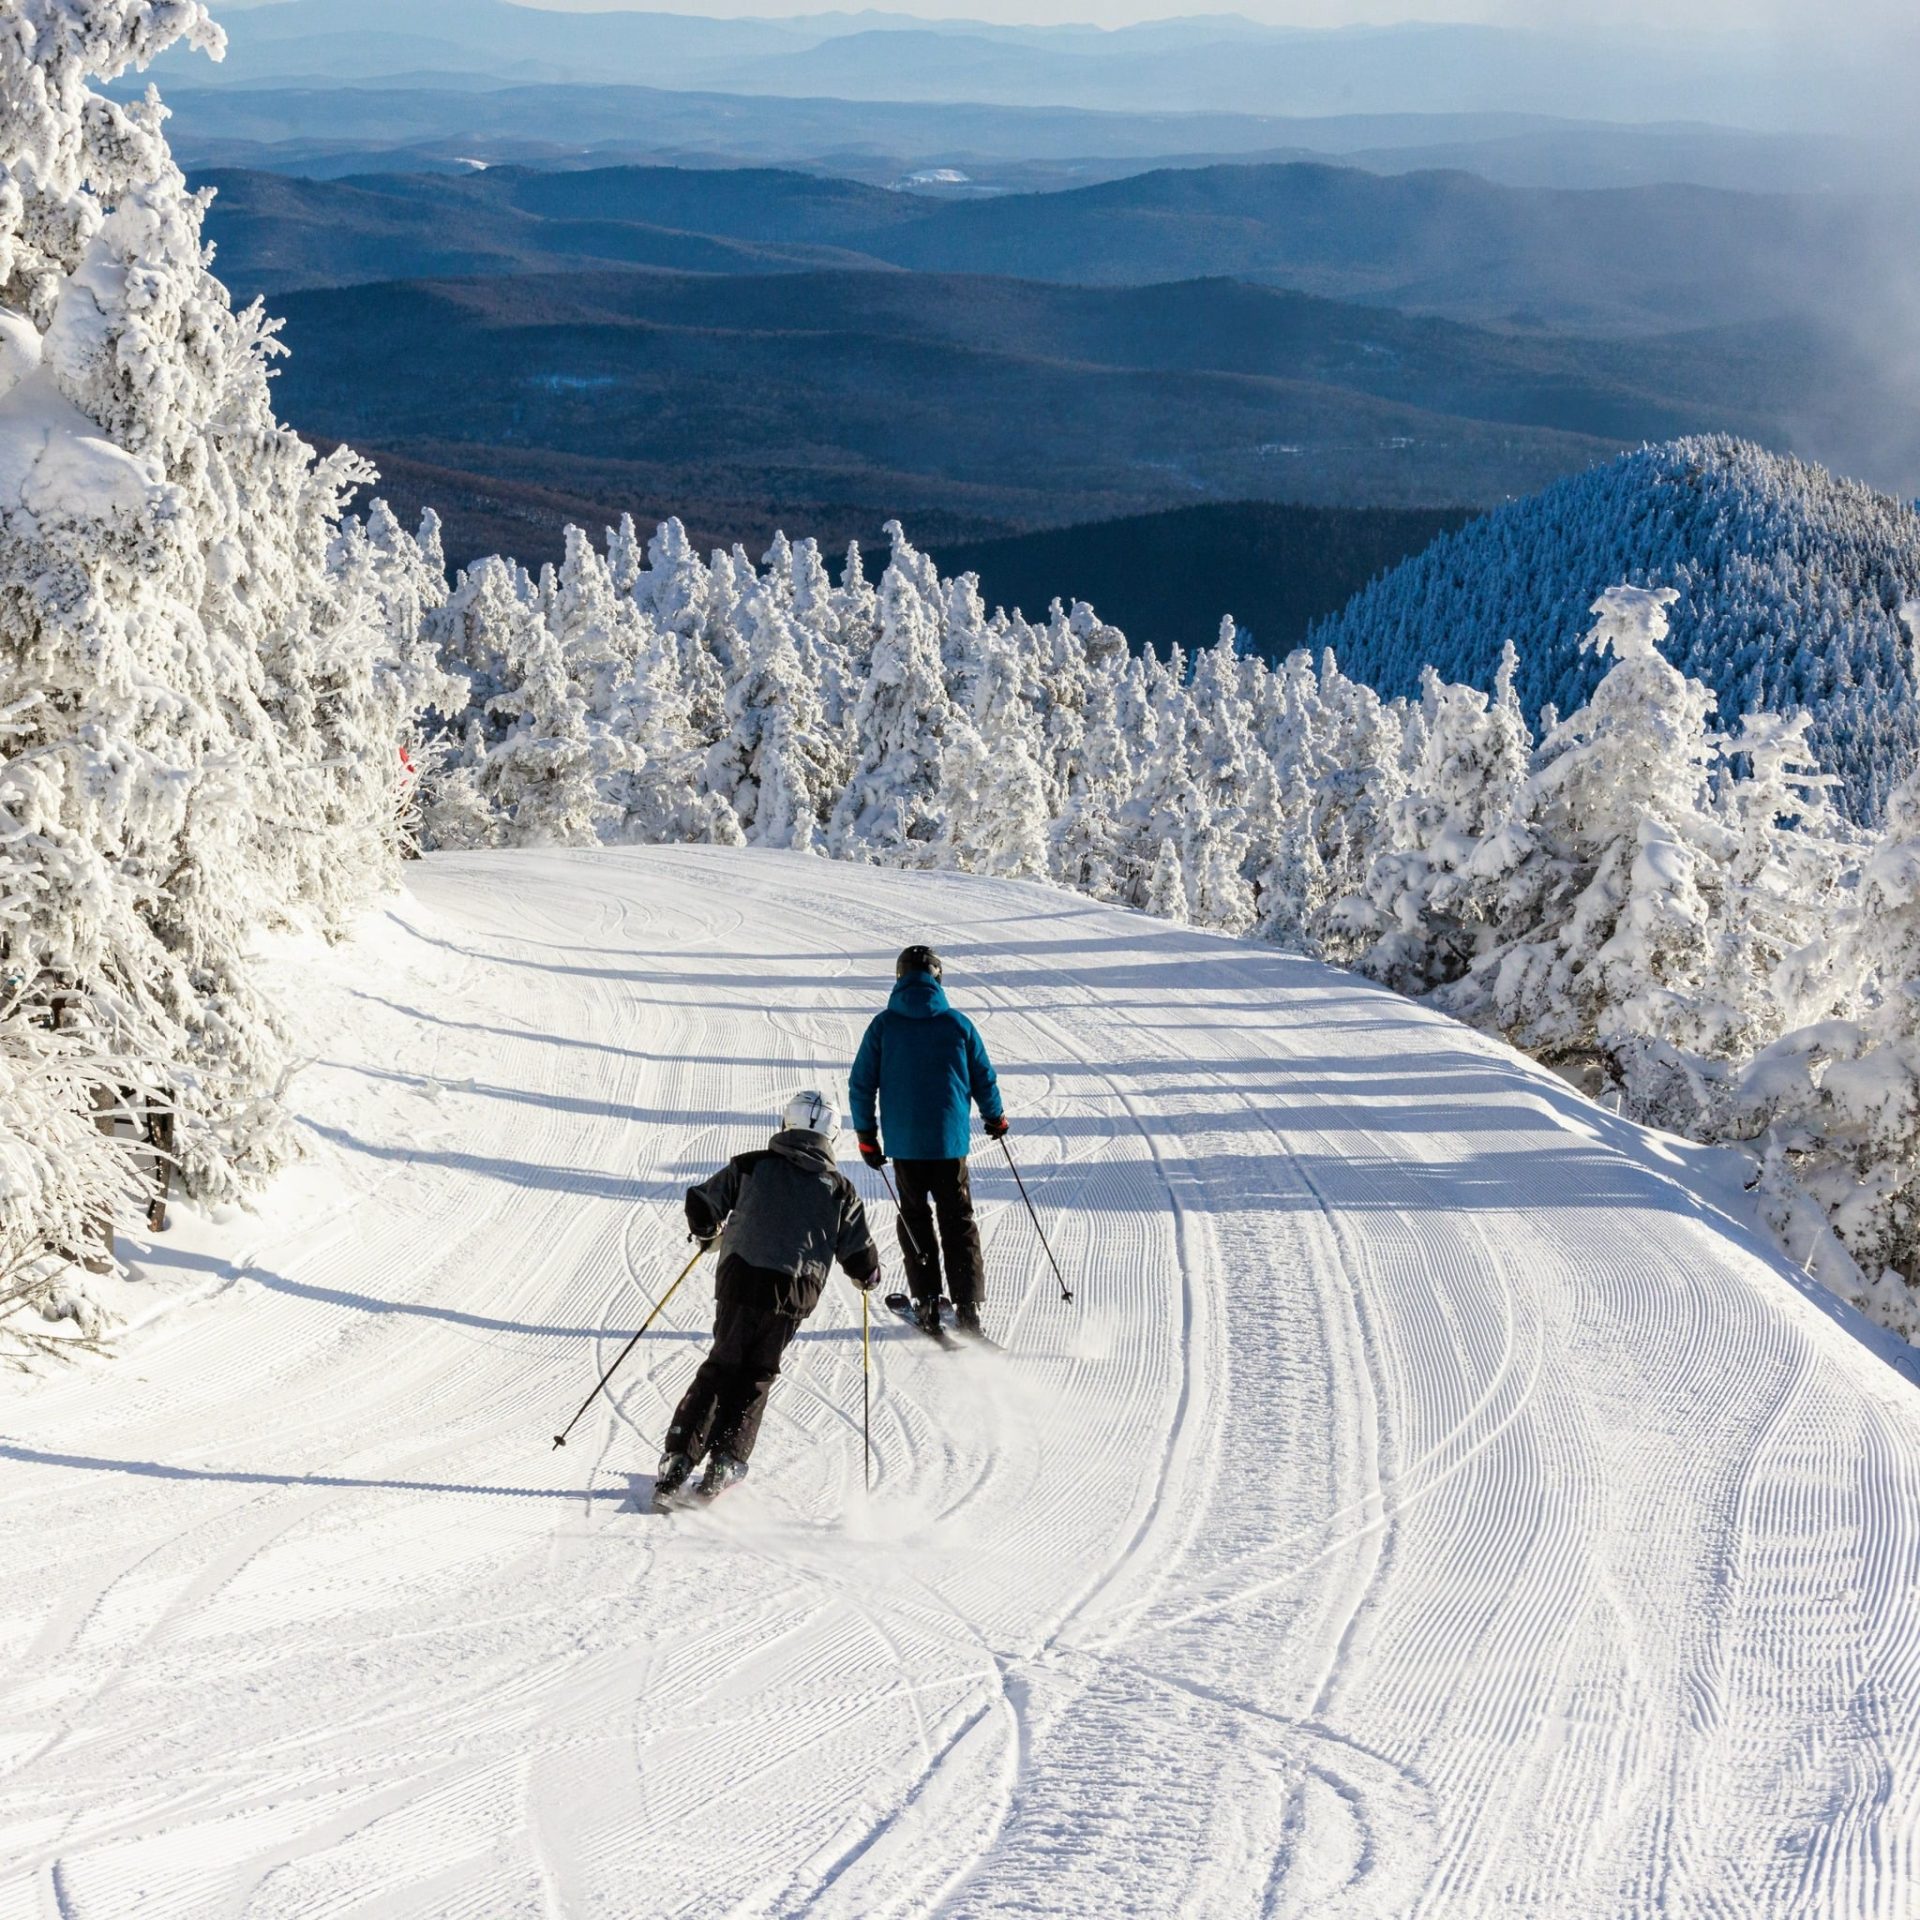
{"x": 917, "y": 960}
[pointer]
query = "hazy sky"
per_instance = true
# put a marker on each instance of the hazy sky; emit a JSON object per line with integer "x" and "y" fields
{"x": 1835, "y": 19}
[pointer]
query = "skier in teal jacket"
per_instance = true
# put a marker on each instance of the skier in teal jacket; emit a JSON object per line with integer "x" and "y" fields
{"x": 919, "y": 1069}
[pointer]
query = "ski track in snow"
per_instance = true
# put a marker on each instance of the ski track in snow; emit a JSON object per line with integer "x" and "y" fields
{"x": 1433, "y": 1505}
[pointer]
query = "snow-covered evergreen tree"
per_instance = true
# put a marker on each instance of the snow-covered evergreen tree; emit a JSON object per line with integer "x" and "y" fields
{"x": 1166, "y": 890}
{"x": 824, "y": 656}
{"x": 1217, "y": 843}
{"x": 1789, "y": 855}
{"x": 204, "y": 710}
{"x": 603, "y": 634}
{"x": 1606, "y": 888}
{"x": 1096, "y": 774}
{"x": 1837, "y": 1102}
{"x": 998, "y": 817}
{"x": 1426, "y": 911}
{"x": 856, "y": 617}
{"x": 779, "y": 766}
{"x": 1790, "y": 583}
{"x": 894, "y": 807}
{"x": 1164, "y": 795}
{"x": 545, "y": 777}
{"x": 677, "y": 590}
{"x": 373, "y": 712}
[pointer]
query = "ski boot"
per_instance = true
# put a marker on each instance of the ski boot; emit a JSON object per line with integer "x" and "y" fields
{"x": 723, "y": 1471}
{"x": 926, "y": 1314}
{"x": 673, "y": 1473}
{"x": 966, "y": 1322}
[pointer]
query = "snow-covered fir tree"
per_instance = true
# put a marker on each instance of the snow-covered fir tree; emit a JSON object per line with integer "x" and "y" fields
{"x": 1167, "y": 896}
{"x": 1423, "y": 904}
{"x": 894, "y": 805}
{"x": 999, "y": 812}
{"x": 1836, "y": 1103}
{"x": 1790, "y": 581}
{"x": 1094, "y": 776}
{"x": 205, "y": 714}
{"x": 779, "y": 766}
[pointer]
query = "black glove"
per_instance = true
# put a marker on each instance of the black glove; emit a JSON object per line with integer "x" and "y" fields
{"x": 996, "y": 1129}
{"x": 870, "y": 1150}
{"x": 867, "y": 1282}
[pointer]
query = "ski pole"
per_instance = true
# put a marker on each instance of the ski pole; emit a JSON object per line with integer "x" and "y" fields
{"x": 560, "y": 1439}
{"x": 1066, "y": 1292}
{"x": 901, "y": 1212}
{"x": 866, "y": 1382}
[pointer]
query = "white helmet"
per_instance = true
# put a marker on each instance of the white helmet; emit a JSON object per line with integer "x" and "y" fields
{"x": 811, "y": 1113}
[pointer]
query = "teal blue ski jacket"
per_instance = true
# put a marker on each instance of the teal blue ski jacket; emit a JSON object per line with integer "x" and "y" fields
{"x": 922, "y": 1061}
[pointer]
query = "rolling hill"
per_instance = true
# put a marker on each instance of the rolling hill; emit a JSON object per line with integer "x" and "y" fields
{"x": 1791, "y": 587}
{"x": 974, "y": 407}
{"x": 1198, "y": 63}
{"x": 332, "y": 130}
{"x": 1165, "y": 579}
{"x": 1631, "y": 260}
{"x": 979, "y": 406}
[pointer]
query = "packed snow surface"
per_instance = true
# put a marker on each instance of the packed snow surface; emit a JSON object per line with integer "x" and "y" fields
{"x": 1437, "y": 1501}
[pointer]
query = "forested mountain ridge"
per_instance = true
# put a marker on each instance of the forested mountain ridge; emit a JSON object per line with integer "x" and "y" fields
{"x": 1791, "y": 584}
{"x": 1199, "y": 63}
{"x": 325, "y": 131}
{"x": 837, "y": 401}
{"x": 1624, "y": 260}
{"x": 984, "y": 407}
{"x": 1281, "y": 568}
{"x": 753, "y": 346}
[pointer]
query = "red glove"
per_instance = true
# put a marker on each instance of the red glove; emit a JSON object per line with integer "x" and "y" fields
{"x": 996, "y": 1129}
{"x": 870, "y": 1150}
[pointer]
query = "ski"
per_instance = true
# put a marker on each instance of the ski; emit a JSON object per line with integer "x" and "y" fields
{"x": 709, "y": 1490}
{"x": 951, "y": 1335}
{"x": 692, "y": 1498}
{"x": 900, "y": 1305}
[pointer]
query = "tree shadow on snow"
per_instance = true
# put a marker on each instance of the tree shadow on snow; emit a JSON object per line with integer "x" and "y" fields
{"x": 659, "y": 1335}
{"x": 374, "y": 1304}
{"x": 246, "y": 1477}
{"x": 554, "y": 1102}
{"x": 583, "y": 1182}
{"x": 534, "y": 1038}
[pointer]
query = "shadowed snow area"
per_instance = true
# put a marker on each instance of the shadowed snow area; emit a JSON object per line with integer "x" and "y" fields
{"x": 1436, "y": 1503}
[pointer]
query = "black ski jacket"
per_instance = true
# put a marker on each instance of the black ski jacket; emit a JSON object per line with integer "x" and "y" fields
{"x": 788, "y": 1214}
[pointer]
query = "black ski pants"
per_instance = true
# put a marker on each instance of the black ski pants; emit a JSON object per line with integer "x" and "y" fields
{"x": 931, "y": 1189}
{"x": 721, "y": 1410}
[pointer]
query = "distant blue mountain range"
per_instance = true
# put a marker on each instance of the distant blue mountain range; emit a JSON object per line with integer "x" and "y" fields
{"x": 1215, "y": 63}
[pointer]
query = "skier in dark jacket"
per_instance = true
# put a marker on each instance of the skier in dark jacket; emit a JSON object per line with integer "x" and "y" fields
{"x": 922, "y": 1061}
{"x": 782, "y": 1217}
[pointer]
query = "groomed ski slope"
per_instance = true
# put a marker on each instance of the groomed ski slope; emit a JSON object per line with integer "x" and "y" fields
{"x": 1435, "y": 1504}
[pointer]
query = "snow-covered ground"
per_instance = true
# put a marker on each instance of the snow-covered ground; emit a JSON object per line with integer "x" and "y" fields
{"x": 1438, "y": 1502}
